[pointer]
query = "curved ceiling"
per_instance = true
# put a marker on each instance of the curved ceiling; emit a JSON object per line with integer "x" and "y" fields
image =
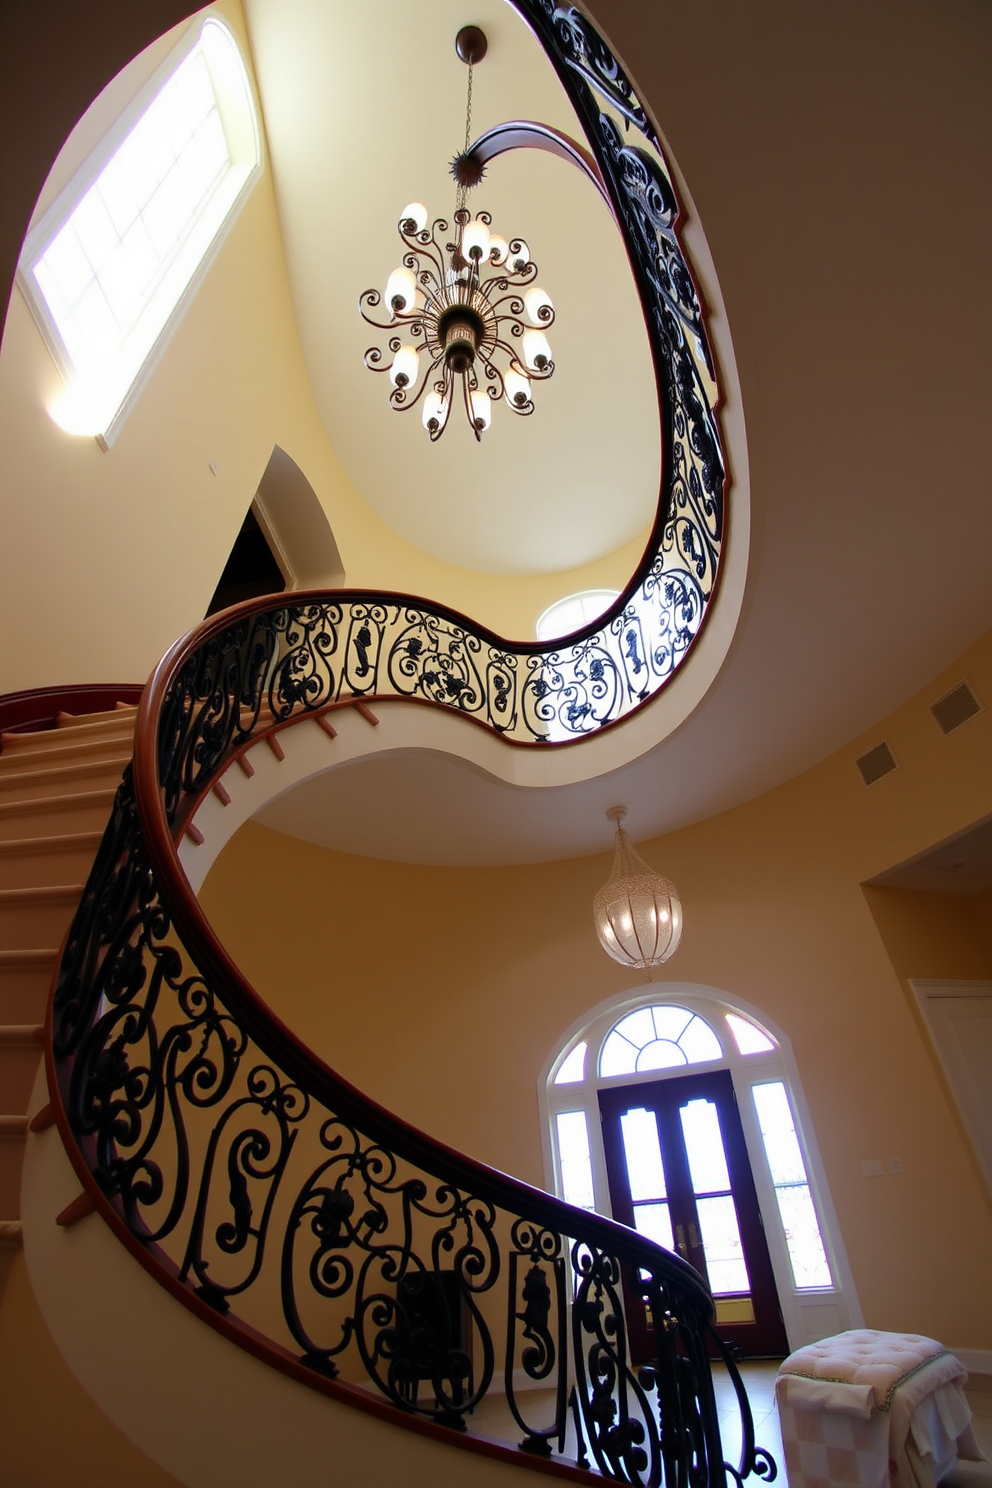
{"x": 805, "y": 134}
{"x": 364, "y": 110}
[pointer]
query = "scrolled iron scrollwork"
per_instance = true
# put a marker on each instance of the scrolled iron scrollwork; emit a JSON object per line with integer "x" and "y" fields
{"x": 261, "y": 1183}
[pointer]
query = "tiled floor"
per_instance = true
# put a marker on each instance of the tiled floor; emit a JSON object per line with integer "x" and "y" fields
{"x": 759, "y": 1381}
{"x": 493, "y": 1418}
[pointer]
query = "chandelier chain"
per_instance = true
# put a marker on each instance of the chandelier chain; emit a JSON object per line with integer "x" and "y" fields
{"x": 461, "y": 195}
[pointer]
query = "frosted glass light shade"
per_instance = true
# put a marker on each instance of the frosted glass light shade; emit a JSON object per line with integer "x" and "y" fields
{"x": 538, "y": 306}
{"x": 637, "y": 913}
{"x": 536, "y": 349}
{"x": 516, "y": 389}
{"x": 498, "y": 248}
{"x": 435, "y": 409}
{"x": 401, "y": 291}
{"x": 476, "y": 241}
{"x": 482, "y": 409}
{"x": 416, "y": 213}
{"x": 406, "y": 365}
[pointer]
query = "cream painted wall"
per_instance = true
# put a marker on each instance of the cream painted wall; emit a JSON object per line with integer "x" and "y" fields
{"x": 131, "y": 542}
{"x": 441, "y": 992}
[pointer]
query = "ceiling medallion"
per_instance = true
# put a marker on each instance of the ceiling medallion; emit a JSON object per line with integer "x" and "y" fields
{"x": 458, "y": 302}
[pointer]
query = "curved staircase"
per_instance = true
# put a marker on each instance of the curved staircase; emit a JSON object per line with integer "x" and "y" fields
{"x": 411, "y": 1289}
{"x": 57, "y": 787}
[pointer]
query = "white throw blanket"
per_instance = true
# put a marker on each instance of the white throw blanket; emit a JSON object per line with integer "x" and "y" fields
{"x": 911, "y": 1379}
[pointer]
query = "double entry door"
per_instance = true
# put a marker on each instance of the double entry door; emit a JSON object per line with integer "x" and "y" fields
{"x": 679, "y": 1173}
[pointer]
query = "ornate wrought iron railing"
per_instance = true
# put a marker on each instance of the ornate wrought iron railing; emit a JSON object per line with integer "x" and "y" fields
{"x": 284, "y": 1207}
{"x": 302, "y": 1219}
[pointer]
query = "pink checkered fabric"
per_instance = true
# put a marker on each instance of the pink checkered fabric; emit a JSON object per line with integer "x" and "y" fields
{"x": 824, "y": 1449}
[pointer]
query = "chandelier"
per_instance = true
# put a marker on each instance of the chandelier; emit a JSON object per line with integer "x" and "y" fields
{"x": 462, "y": 301}
{"x": 637, "y": 913}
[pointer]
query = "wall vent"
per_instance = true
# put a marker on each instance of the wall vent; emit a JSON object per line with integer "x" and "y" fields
{"x": 876, "y": 763}
{"x": 955, "y": 708}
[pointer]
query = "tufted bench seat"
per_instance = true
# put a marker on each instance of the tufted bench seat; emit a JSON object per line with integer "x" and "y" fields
{"x": 873, "y": 1410}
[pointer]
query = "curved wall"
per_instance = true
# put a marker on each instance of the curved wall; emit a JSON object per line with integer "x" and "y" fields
{"x": 441, "y": 991}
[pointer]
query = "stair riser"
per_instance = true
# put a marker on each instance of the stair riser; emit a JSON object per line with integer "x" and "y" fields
{"x": 37, "y": 758}
{"x": 51, "y": 821}
{"x": 18, "y": 1071}
{"x": 39, "y": 869}
{"x": 24, "y": 994}
{"x": 38, "y": 926}
{"x": 11, "y": 1165}
{"x": 67, "y": 780}
{"x": 110, "y": 736}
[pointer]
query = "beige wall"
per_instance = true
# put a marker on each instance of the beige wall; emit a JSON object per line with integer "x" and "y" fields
{"x": 442, "y": 991}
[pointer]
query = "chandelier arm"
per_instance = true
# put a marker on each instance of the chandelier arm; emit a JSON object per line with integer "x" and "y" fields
{"x": 446, "y": 402}
{"x": 522, "y": 134}
{"x": 433, "y": 253}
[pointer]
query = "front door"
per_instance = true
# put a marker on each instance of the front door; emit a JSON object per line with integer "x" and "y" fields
{"x": 679, "y": 1173}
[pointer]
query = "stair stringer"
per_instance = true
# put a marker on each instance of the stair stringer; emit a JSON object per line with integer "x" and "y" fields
{"x": 200, "y": 1407}
{"x": 303, "y": 748}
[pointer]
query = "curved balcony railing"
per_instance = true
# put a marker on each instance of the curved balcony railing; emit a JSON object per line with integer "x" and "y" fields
{"x": 300, "y": 1218}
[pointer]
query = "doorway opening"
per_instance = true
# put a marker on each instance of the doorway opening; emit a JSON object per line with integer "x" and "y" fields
{"x": 682, "y": 1114}
{"x": 678, "y": 1171}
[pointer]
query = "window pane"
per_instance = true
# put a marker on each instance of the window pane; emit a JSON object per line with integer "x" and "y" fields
{"x": 645, "y": 1169}
{"x": 778, "y": 1133}
{"x": 704, "y": 1147}
{"x": 655, "y": 1221}
{"x": 660, "y": 1054}
{"x": 795, "y": 1202}
{"x": 573, "y": 1068}
{"x": 618, "y": 1056}
{"x": 573, "y": 1154}
{"x": 749, "y": 1040}
{"x": 115, "y": 268}
{"x": 721, "y": 1237}
{"x": 700, "y": 1043}
{"x": 670, "y": 1022}
{"x": 802, "y": 1234}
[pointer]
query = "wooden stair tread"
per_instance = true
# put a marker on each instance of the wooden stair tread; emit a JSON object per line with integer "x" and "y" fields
{"x": 111, "y": 748}
{"x": 62, "y": 774}
{"x": 40, "y": 894}
{"x": 16, "y": 959}
{"x": 110, "y": 715}
{"x": 57, "y": 842}
{"x": 117, "y": 726}
{"x": 53, "y": 803}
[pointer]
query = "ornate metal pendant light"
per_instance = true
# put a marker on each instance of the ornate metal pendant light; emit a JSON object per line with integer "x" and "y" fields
{"x": 464, "y": 304}
{"x": 637, "y": 913}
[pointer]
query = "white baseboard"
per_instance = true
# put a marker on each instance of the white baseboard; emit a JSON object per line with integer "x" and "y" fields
{"x": 976, "y": 1361}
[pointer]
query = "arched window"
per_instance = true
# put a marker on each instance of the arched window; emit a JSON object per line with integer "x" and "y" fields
{"x": 572, "y": 612}
{"x": 628, "y": 1062}
{"x": 110, "y": 266}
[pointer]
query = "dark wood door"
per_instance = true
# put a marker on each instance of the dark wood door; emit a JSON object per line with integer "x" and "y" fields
{"x": 679, "y": 1172}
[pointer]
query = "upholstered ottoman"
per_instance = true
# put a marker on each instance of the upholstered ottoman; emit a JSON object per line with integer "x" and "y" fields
{"x": 879, "y": 1410}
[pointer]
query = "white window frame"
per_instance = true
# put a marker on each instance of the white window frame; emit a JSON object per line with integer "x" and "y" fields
{"x": 79, "y": 410}
{"x": 809, "y": 1313}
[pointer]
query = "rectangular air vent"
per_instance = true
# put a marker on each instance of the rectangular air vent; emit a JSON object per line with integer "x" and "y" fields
{"x": 955, "y": 708}
{"x": 876, "y": 763}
